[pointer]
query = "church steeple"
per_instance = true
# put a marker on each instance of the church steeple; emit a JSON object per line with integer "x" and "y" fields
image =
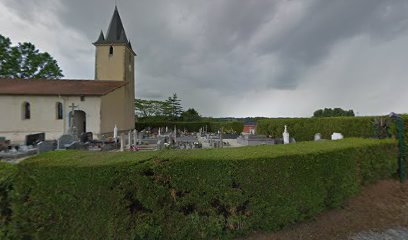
{"x": 116, "y": 32}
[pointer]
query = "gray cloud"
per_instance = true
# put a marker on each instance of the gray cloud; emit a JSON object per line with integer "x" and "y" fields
{"x": 220, "y": 52}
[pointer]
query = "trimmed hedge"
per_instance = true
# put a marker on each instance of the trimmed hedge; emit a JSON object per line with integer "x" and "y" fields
{"x": 187, "y": 194}
{"x": 7, "y": 176}
{"x": 193, "y": 126}
{"x": 303, "y": 129}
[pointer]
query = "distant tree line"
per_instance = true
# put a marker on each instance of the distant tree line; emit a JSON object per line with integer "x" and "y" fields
{"x": 167, "y": 110}
{"x": 333, "y": 112}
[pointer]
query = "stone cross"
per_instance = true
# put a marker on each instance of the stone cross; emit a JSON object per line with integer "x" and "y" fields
{"x": 71, "y": 117}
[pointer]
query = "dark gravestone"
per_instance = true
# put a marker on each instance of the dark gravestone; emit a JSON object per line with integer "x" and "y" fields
{"x": 47, "y": 146}
{"x": 4, "y": 144}
{"x": 65, "y": 140}
{"x": 86, "y": 137}
{"x": 33, "y": 139}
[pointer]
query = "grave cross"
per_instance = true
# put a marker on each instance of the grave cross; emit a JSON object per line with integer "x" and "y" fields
{"x": 71, "y": 117}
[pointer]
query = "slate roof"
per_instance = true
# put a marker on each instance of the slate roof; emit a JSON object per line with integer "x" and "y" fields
{"x": 44, "y": 87}
{"x": 116, "y": 32}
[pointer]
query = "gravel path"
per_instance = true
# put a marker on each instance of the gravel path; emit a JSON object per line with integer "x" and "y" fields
{"x": 391, "y": 234}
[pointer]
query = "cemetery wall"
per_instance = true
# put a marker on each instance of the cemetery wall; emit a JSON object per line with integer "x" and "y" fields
{"x": 43, "y": 117}
{"x": 206, "y": 194}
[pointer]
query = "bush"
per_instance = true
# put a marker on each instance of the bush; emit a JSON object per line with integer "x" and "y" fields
{"x": 7, "y": 176}
{"x": 304, "y": 129}
{"x": 190, "y": 194}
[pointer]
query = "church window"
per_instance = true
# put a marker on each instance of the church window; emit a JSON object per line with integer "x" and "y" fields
{"x": 26, "y": 110}
{"x": 60, "y": 112}
{"x": 110, "y": 50}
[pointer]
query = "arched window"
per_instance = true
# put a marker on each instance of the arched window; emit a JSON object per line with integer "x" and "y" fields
{"x": 26, "y": 110}
{"x": 60, "y": 112}
{"x": 110, "y": 50}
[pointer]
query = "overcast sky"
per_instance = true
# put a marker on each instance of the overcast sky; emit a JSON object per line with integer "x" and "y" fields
{"x": 274, "y": 58}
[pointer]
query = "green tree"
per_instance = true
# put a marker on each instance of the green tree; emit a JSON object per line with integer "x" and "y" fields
{"x": 173, "y": 108}
{"x": 190, "y": 115}
{"x": 150, "y": 108}
{"x": 333, "y": 112}
{"x": 25, "y": 61}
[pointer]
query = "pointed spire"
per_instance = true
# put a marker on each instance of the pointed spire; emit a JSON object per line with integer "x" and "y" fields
{"x": 101, "y": 37}
{"x": 116, "y": 31}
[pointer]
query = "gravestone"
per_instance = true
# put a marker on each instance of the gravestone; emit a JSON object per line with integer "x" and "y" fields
{"x": 76, "y": 145}
{"x": 122, "y": 142}
{"x": 4, "y": 144}
{"x": 65, "y": 140}
{"x": 33, "y": 139}
{"x": 317, "y": 137}
{"x": 134, "y": 137}
{"x": 285, "y": 136}
{"x": 86, "y": 137}
{"x": 47, "y": 146}
{"x": 337, "y": 136}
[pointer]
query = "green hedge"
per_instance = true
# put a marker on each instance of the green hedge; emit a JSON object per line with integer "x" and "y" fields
{"x": 7, "y": 176}
{"x": 303, "y": 129}
{"x": 193, "y": 126}
{"x": 190, "y": 194}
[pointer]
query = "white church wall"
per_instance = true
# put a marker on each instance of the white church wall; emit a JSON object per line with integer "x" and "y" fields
{"x": 43, "y": 117}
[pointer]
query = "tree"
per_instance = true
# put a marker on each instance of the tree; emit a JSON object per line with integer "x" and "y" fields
{"x": 25, "y": 61}
{"x": 190, "y": 115}
{"x": 173, "y": 108}
{"x": 333, "y": 112}
{"x": 150, "y": 108}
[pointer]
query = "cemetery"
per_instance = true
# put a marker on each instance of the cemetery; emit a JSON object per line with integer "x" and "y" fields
{"x": 232, "y": 192}
{"x": 146, "y": 140}
{"x": 90, "y": 169}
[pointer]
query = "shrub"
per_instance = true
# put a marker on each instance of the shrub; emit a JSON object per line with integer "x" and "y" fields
{"x": 303, "y": 129}
{"x": 190, "y": 194}
{"x": 7, "y": 176}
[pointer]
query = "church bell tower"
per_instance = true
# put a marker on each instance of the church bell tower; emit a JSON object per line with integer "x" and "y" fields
{"x": 115, "y": 61}
{"x": 114, "y": 54}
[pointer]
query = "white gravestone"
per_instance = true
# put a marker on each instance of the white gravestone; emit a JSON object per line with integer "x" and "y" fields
{"x": 134, "y": 137}
{"x": 129, "y": 139}
{"x": 317, "y": 137}
{"x": 337, "y": 136}
{"x": 115, "y": 132}
{"x": 285, "y": 135}
{"x": 122, "y": 142}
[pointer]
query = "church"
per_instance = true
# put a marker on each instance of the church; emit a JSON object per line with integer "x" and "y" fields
{"x": 57, "y": 107}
